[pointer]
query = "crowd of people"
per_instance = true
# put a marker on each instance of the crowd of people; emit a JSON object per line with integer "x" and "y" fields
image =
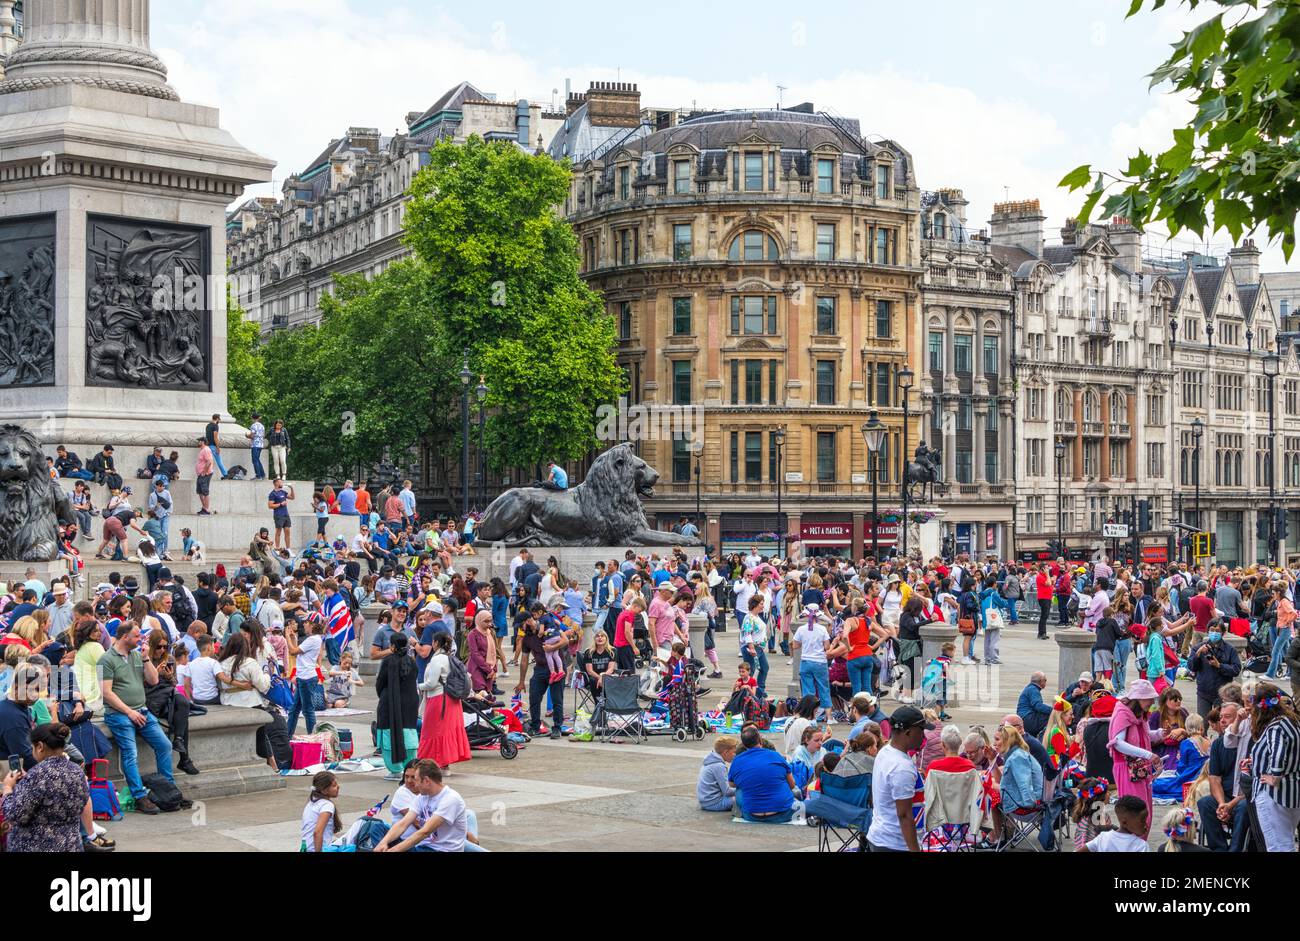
{"x": 146, "y": 651}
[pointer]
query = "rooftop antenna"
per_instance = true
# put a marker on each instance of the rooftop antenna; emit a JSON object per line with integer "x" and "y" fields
{"x": 780, "y": 95}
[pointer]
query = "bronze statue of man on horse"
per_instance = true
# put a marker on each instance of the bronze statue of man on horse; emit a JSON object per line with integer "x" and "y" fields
{"x": 922, "y": 474}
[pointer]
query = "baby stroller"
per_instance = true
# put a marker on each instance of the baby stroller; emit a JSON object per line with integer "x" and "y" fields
{"x": 483, "y": 732}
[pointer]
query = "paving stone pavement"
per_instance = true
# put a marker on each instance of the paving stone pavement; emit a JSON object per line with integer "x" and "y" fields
{"x": 562, "y": 795}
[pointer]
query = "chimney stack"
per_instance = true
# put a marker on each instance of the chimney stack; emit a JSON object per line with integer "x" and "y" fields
{"x": 1019, "y": 223}
{"x": 1127, "y": 241}
{"x": 613, "y": 104}
{"x": 1245, "y": 262}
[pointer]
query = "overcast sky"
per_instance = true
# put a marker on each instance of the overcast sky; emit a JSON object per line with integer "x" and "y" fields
{"x": 999, "y": 99}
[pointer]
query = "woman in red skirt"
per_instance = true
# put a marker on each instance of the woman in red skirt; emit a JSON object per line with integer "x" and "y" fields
{"x": 442, "y": 737}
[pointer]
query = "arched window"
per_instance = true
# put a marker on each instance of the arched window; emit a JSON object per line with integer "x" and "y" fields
{"x": 1091, "y": 406}
{"x": 1064, "y": 405}
{"x": 753, "y": 245}
{"x": 1118, "y": 407}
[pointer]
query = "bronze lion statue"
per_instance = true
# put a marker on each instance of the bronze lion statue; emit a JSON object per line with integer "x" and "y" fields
{"x": 604, "y": 510}
{"x": 32, "y": 506}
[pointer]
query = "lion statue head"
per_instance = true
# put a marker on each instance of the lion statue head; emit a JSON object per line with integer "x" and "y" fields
{"x": 614, "y": 488}
{"x": 31, "y": 506}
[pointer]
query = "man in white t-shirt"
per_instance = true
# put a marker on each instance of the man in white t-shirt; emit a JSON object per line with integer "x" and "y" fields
{"x": 404, "y": 800}
{"x": 895, "y": 783}
{"x": 438, "y": 815}
{"x": 811, "y": 640}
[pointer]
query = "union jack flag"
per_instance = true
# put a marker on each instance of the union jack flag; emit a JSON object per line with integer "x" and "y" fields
{"x": 338, "y": 621}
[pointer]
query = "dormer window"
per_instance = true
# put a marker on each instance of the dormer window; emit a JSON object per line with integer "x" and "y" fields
{"x": 624, "y": 182}
{"x": 825, "y": 175}
{"x": 753, "y": 245}
{"x": 883, "y": 172}
{"x": 681, "y": 177}
{"x": 753, "y": 171}
{"x": 940, "y": 226}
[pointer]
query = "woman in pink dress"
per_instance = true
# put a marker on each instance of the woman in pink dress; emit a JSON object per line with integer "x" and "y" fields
{"x": 1131, "y": 739}
{"x": 442, "y": 736}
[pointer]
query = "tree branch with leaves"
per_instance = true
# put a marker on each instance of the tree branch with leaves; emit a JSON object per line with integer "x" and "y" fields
{"x": 1237, "y": 166}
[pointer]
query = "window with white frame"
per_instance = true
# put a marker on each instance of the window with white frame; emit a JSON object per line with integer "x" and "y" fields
{"x": 1155, "y": 459}
{"x": 1034, "y": 514}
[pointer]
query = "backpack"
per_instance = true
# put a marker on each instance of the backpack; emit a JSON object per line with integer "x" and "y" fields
{"x": 165, "y": 793}
{"x": 104, "y": 804}
{"x": 183, "y": 612}
{"x": 456, "y": 684}
{"x": 281, "y": 693}
{"x": 238, "y": 472}
{"x": 369, "y": 833}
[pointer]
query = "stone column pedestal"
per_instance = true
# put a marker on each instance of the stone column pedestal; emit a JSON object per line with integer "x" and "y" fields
{"x": 933, "y": 637}
{"x": 1074, "y": 654}
{"x": 697, "y": 624}
{"x": 13, "y": 574}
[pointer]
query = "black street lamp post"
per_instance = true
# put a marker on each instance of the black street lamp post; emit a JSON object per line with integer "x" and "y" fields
{"x": 779, "y": 434}
{"x": 1198, "y": 430}
{"x": 1272, "y": 366}
{"x": 873, "y": 433}
{"x": 481, "y": 393}
{"x": 465, "y": 377}
{"x": 699, "y": 455}
{"x": 1060, "y": 460}
{"x": 905, "y": 376}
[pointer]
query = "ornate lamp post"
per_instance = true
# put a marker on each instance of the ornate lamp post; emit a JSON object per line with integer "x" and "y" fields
{"x": 1060, "y": 460}
{"x": 905, "y": 377}
{"x": 1272, "y": 366}
{"x": 779, "y": 433}
{"x": 465, "y": 377}
{"x": 873, "y": 433}
{"x": 1198, "y": 430}
{"x": 481, "y": 394}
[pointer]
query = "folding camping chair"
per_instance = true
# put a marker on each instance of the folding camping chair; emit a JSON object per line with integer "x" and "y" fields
{"x": 618, "y": 710}
{"x": 1021, "y": 824}
{"x": 952, "y": 811}
{"x": 842, "y": 813}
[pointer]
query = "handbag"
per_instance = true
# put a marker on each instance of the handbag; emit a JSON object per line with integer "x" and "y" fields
{"x": 966, "y": 627}
{"x": 994, "y": 620}
{"x": 1140, "y": 769}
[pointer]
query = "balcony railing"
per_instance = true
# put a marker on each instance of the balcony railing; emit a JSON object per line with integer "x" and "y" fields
{"x": 1092, "y": 429}
{"x": 1064, "y": 427}
{"x": 1119, "y": 429}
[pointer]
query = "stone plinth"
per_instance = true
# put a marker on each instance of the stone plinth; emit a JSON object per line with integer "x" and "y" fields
{"x": 14, "y": 573}
{"x": 493, "y": 561}
{"x": 1238, "y": 644}
{"x": 1074, "y": 654}
{"x": 121, "y": 190}
{"x": 223, "y": 746}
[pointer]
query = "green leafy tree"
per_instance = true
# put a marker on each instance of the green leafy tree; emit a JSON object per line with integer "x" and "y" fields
{"x": 245, "y": 365}
{"x": 1238, "y": 163}
{"x": 494, "y": 275}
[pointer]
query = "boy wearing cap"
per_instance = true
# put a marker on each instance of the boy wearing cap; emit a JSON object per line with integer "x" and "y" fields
{"x": 895, "y": 784}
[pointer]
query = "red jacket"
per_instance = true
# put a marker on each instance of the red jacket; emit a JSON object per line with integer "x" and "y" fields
{"x": 1043, "y": 587}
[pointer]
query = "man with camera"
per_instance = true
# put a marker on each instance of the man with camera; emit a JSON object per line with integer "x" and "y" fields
{"x": 1214, "y": 663}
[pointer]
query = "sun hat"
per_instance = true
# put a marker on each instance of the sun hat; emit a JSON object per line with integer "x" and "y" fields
{"x": 1140, "y": 689}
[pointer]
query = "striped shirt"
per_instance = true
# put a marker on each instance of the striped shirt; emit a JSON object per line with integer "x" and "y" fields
{"x": 1276, "y": 751}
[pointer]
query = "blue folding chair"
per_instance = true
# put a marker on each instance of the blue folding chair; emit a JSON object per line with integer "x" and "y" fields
{"x": 841, "y": 811}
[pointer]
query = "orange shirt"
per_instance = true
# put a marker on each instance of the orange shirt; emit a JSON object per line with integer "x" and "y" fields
{"x": 363, "y": 502}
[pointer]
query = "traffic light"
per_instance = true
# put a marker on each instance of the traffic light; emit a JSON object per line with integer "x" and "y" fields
{"x": 1144, "y": 516}
{"x": 1128, "y": 519}
{"x": 1281, "y": 528}
{"x": 1261, "y": 526}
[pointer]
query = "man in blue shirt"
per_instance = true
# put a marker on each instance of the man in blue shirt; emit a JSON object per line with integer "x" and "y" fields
{"x": 611, "y": 590}
{"x": 765, "y": 788}
{"x": 556, "y": 479}
{"x": 347, "y": 500}
{"x": 278, "y": 500}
